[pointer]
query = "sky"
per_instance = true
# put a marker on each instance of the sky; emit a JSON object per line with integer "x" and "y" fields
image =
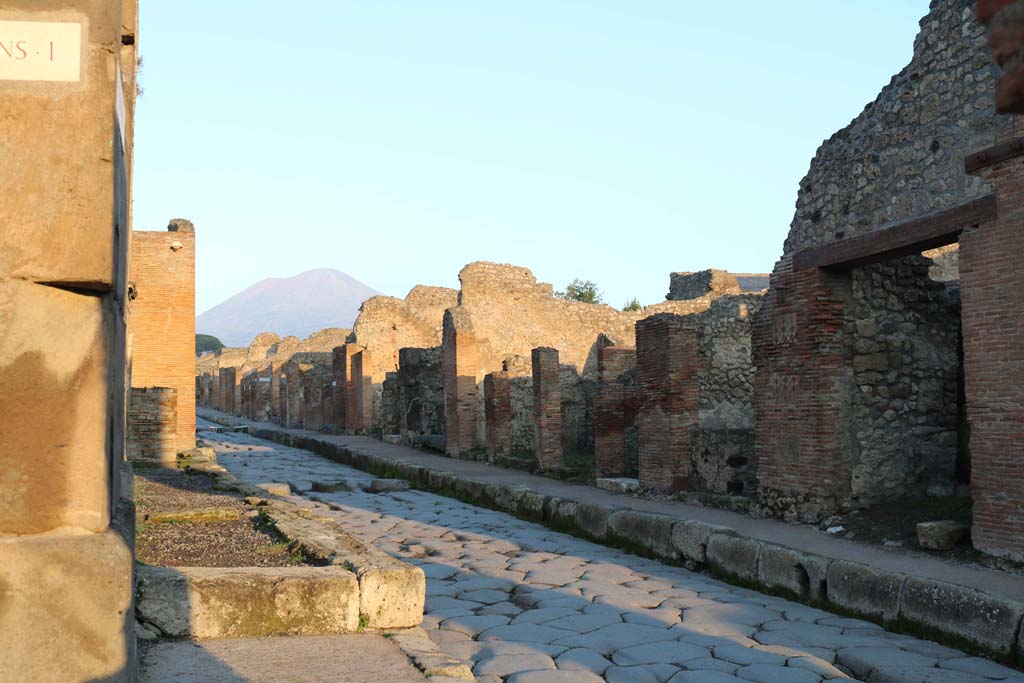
{"x": 398, "y": 140}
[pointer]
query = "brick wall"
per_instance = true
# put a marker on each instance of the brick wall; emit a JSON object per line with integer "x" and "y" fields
{"x": 498, "y": 414}
{"x": 459, "y": 356}
{"x": 153, "y": 425}
{"x": 801, "y": 390}
{"x": 547, "y": 408}
{"x": 162, "y": 318}
{"x": 992, "y": 267}
{"x": 346, "y": 381}
{"x": 339, "y": 376}
{"x": 617, "y": 403}
{"x": 668, "y": 363}
{"x": 362, "y": 387}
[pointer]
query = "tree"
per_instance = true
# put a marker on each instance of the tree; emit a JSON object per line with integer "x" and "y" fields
{"x": 581, "y": 290}
{"x": 207, "y": 342}
{"x": 632, "y": 305}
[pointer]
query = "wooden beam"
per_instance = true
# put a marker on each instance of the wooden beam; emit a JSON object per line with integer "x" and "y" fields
{"x": 993, "y": 155}
{"x": 899, "y": 239}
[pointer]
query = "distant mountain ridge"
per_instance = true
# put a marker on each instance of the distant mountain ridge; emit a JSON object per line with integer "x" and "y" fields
{"x": 298, "y": 305}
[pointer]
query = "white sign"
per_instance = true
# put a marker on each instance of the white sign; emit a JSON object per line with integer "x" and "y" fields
{"x": 40, "y": 51}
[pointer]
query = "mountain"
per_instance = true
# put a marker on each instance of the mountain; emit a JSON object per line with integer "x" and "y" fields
{"x": 298, "y": 305}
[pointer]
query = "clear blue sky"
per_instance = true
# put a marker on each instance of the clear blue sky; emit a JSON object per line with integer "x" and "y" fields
{"x": 397, "y": 140}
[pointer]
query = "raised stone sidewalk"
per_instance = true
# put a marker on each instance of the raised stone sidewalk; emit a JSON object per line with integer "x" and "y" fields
{"x": 966, "y": 606}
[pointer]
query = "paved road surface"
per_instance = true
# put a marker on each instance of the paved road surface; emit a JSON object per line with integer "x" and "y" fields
{"x": 529, "y": 605}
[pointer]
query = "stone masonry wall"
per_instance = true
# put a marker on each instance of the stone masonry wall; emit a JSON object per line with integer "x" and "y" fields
{"x": 420, "y": 393}
{"x": 153, "y": 425}
{"x": 163, "y": 317}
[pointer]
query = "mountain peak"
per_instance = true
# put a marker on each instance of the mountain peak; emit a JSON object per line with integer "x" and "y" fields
{"x": 298, "y": 305}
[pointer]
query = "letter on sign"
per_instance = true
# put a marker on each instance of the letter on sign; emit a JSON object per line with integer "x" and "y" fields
{"x": 40, "y": 51}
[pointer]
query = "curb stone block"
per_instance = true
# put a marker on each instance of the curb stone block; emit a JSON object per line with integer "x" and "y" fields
{"x": 690, "y": 539}
{"x": 215, "y": 602}
{"x": 800, "y": 573}
{"x": 530, "y": 504}
{"x": 593, "y": 519}
{"x": 864, "y": 590}
{"x": 560, "y": 513}
{"x": 650, "y": 531}
{"x": 734, "y": 555}
{"x": 982, "y": 619}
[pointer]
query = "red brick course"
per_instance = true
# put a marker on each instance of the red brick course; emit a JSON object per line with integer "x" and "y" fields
{"x": 498, "y": 414}
{"x": 162, "y": 318}
{"x": 616, "y": 410}
{"x": 547, "y": 408}
{"x": 991, "y": 273}
{"x": 460, "y": 361}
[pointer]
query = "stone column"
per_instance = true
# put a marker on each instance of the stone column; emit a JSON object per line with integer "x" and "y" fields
{"x": 667, "y": 367}
{"x": 227, "y": 390}
{"x": 615, "y": 407}
{"x": 547, "y": 408}
{"x": 498, "y": 414}
{"x": 991, "y": 273}
{"x": 362, "y": 387}
{"x": 801, "y": 393}
{"x": 348, "y": 386}
{"x": 339, "y": 376}
{"x": 459, "y": 356}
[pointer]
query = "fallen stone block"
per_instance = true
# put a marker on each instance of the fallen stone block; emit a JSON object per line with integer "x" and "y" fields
{"x": 690, "y": 539}
{"x": 650, "y": 532}
{"x": 386, "y": 486}
{"x": 982, "y": 619}
{"x": 216, "y": 602}
{"x": 802, "y": 574}
{"x": 943, "y": 535}
{"x": 276, "y": 489}
{"x": 619, "y": 485}
{"x": 734, "y": 556}
{"x": 864, "y": 590}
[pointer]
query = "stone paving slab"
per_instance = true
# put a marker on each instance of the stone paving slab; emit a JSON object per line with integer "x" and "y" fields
{"x": 598, "y": 609}
{"x": 358, "y": 658}
{"x": 907, "y": 589}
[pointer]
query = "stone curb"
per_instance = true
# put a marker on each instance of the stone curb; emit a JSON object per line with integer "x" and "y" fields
{"x": 426, "y": 656}
{"x": 391, "y": 592}
{"x": 960, "y": 616}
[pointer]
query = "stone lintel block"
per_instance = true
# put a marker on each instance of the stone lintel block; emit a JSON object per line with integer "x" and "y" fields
{"x": 864, "y": 590}
{"x": 982, "y": 619}
{"x": 734, "y": 556}
{"x": 690, "y": 539}
{"x": 53, "y": 234}
{"x": 649, "y": 531}
{"x": 802, "y": 574}
{"x": 592, "y": 519}
{"x": 235, "y": 602}
{"x": 55, "y": 350}
{"x": 65, "y": 614}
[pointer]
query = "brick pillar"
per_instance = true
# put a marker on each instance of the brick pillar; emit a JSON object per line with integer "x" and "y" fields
{"x": 498, "y": 414}
{"x": 800, "y": 390}
{"x": 667, "y": 363}
{"x": 227, "y": 389}
{"x": 153, "y": 425}
{"x": 347, "y": 385}
{"x": 991, "y": 274}
{"x": 459, "y": 356}
{"x": 362, "y": 388}
{"x": 547, "y": 408}
{"x": 615, "y": 408}
{"x": 339, "y": 375}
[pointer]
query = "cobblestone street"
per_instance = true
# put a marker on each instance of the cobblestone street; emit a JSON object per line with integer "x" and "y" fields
{"x": 529, "y": 605}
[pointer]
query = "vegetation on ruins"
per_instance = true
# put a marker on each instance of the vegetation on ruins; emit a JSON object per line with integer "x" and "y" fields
{"x": 207, "y": 342}
{"x": 632, "y": 305}
{"x": 581, "y": 290}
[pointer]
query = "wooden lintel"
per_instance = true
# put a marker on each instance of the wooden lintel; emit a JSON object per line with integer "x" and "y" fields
{"x": 993, "y": 155}
{"x": 899, "y": 239}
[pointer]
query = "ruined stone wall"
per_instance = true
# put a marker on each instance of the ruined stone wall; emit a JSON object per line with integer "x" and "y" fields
{"x": 901, "y": 158}
{"x": 387, "y": 324}
{"x": 163, "y": 317}
{"x": 390, "y": 408}
{"x": 722, "y": 457}
{"x": 420, "y": 393}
